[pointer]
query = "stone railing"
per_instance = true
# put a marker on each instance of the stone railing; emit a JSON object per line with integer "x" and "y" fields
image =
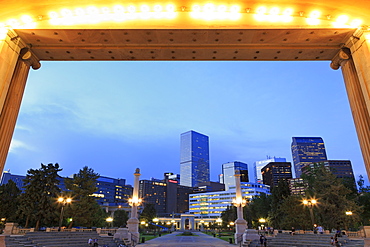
{"x": 13, "y": 229}
{"x": 108, "y": 232}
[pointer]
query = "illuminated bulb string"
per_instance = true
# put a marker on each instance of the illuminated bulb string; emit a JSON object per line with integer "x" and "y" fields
{"x": 207, "y": 12}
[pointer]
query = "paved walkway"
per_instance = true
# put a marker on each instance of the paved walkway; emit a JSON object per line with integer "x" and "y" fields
{"x": 183, "y": 241}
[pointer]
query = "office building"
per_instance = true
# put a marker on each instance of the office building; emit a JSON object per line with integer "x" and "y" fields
{"x": 258, "y": 165}
{"x": 307, "y": 150}
{"x": 209, "y": 187}
{"x": 17, "y": 179}
{"x": 340, "y": 168}
{"x": 111, "y": 191}
{"x": 297, "y": 186}
{"x": 229, "y": 170}
{"x": 212, "y": 204}
{"x": 166, "y": 195}
{"x": 274, "y": 171}
{"x": 194, "y": 159}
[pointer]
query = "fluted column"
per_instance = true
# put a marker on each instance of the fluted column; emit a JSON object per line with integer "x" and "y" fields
{"x": 135, "y": 201}
{"x": 357, "y": 80}
{"x": 239, "y": 203}
{"x": 15, "y": 62}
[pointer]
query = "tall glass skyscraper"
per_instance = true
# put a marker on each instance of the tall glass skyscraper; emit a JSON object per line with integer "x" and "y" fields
{"x": 194, "y": 159}
{"x": 307, "y": 150}
{"x": 228, "y": 171}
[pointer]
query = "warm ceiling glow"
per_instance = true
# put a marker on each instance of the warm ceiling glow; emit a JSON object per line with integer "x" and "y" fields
{"x": 273, "y": 14}
{"x": 117, "y": 13}
{"x": 313, "y": 18}
{"x": 211, "y": 11}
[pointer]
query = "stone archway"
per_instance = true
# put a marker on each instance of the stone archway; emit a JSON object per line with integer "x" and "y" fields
{"x": 187, "y": 222}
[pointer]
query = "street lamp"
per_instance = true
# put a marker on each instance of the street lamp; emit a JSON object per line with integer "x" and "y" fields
{"x": 219, "y": 222}
{"x": 109, "y": 220}
{"x": 64, "y": 202}
{"x": 173, "y": 225}
{"x": 348, "y": 213}
{"x": 310, "y": 204}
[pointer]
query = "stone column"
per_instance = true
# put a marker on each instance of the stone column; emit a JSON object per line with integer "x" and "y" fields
{"x": 15, "y": 62}
{"x": 133, "y": 222}
{"x": 355, "y": 64}
{"x": 240, "y": 223}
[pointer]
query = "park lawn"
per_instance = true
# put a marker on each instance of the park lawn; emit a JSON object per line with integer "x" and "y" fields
{"x": 150, "y": 236}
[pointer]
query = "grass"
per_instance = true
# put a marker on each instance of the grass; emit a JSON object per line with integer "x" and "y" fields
{"x": 222, "y": 235}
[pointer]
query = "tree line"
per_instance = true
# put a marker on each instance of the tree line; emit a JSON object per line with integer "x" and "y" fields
{"x": 334, "y": 196}
{"x": 38, "y": 205}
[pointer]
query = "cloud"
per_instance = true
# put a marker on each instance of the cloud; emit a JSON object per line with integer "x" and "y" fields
{"x": 16, "y": 144}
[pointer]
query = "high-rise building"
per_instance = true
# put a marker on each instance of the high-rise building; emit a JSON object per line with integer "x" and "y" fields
{"x": 110, "y": 191}
{"x": 212, "y": 204}
{"x": 340, "y": 168}
{"x": 166, "y": 195}
{"x": 194, "y": 159}
{"x": 274, "y": 171}
{"x": 258, "y": 165}
{"x": 229, "y": 170}
{"x": 307, "y": 150}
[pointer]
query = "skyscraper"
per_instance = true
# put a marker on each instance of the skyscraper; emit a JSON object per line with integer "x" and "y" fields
{"x": 194, "y": 159}
{"x": 274, "y": 171}
{"x": 228, "y": 171}
{"x": 258, "y": 165}
{"x": 307, "y": 150}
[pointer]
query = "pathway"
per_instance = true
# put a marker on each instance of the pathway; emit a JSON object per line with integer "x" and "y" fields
{"x": 184, "y": 241}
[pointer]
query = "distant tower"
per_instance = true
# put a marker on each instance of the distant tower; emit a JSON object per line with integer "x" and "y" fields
{"x": 194, "y": 159}
{"x": 258, "y": 165}
{"x": 274, "y": 171}
{"x": 307, "y": 150}
{"x": 228, "y": 172}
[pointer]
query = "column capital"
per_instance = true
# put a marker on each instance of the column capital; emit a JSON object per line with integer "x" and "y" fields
{"x": 341, "y": 57}
{"x": 27, "y": 56}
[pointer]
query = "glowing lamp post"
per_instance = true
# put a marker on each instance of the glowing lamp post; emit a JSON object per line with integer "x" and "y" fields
{"x": 64, "y": 202}
{"x": 239, "y": 203}
{"x": 109, "y": 220}
{"x": 310, "y": 204}
{"x": 135, "y": 201}
{"x": 348, "y": 213}
{"x": 173, "y": 225}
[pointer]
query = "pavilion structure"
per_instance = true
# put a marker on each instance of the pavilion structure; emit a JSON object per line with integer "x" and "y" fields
{"x": 185, "y": 30}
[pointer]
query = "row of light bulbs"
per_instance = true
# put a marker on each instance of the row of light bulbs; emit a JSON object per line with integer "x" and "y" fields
{"x": 208, "y": 11}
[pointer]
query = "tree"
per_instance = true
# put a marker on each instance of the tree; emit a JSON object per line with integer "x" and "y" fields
{"x": 278, "y": 195}
{"x": 148, "y": 213}
{"x": 259, "y": 207}
{"x": 9, "y": 200}
{"x": 38, "y": 202}
{"x": 120, "y": 218}
{"x": 364, "y": 200}
{"x": 229, "y": 215}
{"x": 293, "y": 214}
{"x": 332, "y": 196}
{"x": 84, "y": 209}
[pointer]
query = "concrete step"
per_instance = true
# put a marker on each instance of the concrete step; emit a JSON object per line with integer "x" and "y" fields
{"x": 58, "y": 239}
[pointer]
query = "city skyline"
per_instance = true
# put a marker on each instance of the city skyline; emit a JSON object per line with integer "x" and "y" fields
{"x": 113, "y": 118}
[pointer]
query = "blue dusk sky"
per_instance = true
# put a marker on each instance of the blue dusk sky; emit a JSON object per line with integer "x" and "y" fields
{"x": 116, "y": 116}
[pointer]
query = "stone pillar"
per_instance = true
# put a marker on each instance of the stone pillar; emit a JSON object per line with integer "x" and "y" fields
{"x": 240, "y": 223}
{"x": 15, "y": 62}
{"x": 10, "y": 228}
{"x": 355, "y": 64}
{"x": 133, "y": 222}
